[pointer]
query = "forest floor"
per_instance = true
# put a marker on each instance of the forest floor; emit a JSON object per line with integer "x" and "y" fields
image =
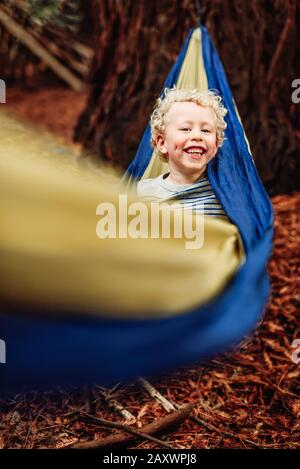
{"x": 248, "y": 398}
{"x": 53, "y": 109}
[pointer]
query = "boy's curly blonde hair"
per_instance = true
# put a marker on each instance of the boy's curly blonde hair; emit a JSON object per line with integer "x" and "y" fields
{"x": 173, "y": 95}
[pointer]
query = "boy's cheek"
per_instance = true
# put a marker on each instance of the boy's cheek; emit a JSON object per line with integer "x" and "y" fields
{"x": 179, "y": 149}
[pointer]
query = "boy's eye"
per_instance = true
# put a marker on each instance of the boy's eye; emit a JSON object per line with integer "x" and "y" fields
{"x": 186, "y": 128}
{"x": 206, "y": 130}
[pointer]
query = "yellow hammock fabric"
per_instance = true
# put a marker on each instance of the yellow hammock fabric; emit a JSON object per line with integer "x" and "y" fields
{"x": 52, "y": 259}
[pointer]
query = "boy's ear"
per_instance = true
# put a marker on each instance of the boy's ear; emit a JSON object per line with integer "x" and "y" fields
{"x": 217, "y": 147}
{"x": 160, "y": 142}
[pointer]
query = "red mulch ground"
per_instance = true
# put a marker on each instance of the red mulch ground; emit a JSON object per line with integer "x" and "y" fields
{"x": 53, "y": 109}
{"x": 245, "y": 399}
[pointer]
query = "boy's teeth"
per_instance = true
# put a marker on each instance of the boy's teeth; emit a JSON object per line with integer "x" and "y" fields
{"x": 196, "y": 151}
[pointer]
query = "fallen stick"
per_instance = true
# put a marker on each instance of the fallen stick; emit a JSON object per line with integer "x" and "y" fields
{"x": 62, "y": 54}
{"x": 160, "y": 398}
{"x": 115, "y": 405}
{"x": 167, "y": 405}
{"x": 120, "y": 426}
{"x": 158, "y": 426}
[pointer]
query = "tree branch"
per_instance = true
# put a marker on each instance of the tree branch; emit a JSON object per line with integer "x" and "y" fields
{"x": 34, "y": 46}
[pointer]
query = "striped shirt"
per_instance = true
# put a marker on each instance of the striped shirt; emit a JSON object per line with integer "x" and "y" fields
{"x": 197, "y": 196}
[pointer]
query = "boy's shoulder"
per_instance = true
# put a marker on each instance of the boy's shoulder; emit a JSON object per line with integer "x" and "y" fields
{"x": 148, "y": 187}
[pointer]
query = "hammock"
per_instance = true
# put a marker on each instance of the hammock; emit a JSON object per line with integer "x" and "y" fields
{"x": 116, "y": 309}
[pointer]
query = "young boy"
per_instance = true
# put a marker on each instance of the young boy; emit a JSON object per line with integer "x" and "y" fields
{"x": 187, "y": 128}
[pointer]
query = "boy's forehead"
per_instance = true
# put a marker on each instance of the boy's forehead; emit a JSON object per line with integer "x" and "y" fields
{"x": 185, "y": 110}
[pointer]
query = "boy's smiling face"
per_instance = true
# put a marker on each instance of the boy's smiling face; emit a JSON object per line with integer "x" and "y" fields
{"x": 190, "y": 140}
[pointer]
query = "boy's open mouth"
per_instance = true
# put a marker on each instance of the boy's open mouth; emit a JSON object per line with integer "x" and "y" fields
{"x": 195, "y": 152}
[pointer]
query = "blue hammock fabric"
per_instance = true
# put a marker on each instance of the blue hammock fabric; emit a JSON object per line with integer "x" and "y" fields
{"x": 44, "y": 352}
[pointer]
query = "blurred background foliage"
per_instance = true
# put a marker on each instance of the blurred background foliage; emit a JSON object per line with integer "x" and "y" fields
{"x": 60, "y": 13}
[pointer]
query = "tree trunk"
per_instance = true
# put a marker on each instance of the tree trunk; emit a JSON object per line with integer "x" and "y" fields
{"x": 138, "y": 42}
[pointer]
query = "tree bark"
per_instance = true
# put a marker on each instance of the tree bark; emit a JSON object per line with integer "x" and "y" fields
{"x": 138, "y": 42}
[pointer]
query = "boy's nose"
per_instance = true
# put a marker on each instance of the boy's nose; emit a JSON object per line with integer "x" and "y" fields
{"x": 196, "y": 135}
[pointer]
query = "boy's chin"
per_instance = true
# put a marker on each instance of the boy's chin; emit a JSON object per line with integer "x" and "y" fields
{"x": 197, "y": 164}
